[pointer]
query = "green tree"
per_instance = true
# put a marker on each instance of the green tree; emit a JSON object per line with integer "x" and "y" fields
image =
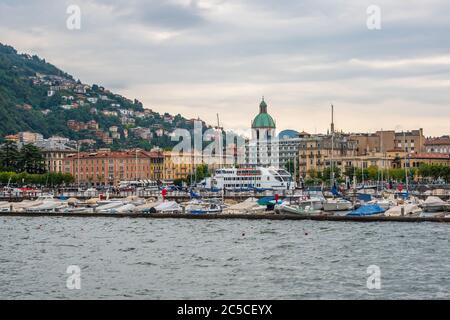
{"x": 312, "y": 173}
{"x": 372, "y": 173}
{"x": 350, "y": 171}
{"x": 397, "y": 174}
{"x": 326, "y": 174}
{"x": 434, "y": 171}
{"x": 290, "y": 167}
{"x": 9, "y": 156}
{"x": 31, "y": 160}
{"x": 48, "y": 179}
{"x": 201, "y": 172}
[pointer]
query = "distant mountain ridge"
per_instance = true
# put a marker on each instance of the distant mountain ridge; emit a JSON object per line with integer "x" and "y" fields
{"x": 37, "y": 96}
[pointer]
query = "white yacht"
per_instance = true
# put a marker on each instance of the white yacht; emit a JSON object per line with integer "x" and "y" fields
{"x": 251, "y": 178}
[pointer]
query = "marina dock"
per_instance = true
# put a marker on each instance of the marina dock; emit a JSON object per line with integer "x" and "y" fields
{"x": 268, "y": 216}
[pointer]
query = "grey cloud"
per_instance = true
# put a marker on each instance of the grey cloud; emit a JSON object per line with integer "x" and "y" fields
{"x": 182, "y": 56}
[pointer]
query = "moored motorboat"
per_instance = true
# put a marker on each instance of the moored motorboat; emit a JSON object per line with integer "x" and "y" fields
{"x": 137, "y": 201}
{"x": 337, "y": 205}
{"x": 386, "y": 204}
{"x": 211, "y": 208}
{"x": 315, "y": 203}
{"x": 403, "y": 210}
{"x": 203, "y": 207}
{"x": 250, "y": 205}
{"x": 48, "y": 206}
{"x": 109, "y": 207}
{"x": 168, "y": 207}
{"x": 434, "y": 204}
{"x": 126, "y": 208}
{"x": 23, "y": 205}
{"x": 296, "y": 209}
{"x": 82, "y": 209}
{"x": 5, "y": 206}
{"x": 147, "y": 207}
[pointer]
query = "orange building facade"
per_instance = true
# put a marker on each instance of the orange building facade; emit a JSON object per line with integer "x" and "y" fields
{"x": 111, "y": 167}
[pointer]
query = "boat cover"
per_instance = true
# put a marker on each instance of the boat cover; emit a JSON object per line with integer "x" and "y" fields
{"x": 367, "y": 210}
{"x": 266, "y": 201}
{"x": 434, "y": 201}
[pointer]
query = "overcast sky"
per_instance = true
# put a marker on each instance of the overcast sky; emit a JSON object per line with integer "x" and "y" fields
{"x": 203, "y": 57}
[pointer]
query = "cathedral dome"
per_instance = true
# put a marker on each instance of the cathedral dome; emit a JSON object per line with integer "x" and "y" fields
{"x": 263, "y": 119}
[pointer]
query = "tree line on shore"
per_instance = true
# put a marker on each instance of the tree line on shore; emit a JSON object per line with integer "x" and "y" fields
{"x": 425, "y": 172}
{"x": 27, "y": 166}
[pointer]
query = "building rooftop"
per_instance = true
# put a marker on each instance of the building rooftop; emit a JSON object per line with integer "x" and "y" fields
{"x": 115, "y": 154}
{"x": 437, "y": 141}
{"x": 288, "y": 134}
{"x": 430, "y": 156}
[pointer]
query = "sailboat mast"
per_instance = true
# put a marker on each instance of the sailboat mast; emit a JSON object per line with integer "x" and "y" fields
{"x": 332, "y": 147}
{"x": 295, "y": 170}
{"x": 406, "y": 169}
{"x": 382, "y": 161}
{"x": 332, "y": 165}
{"x": 354, "y": 170}
{"x": 78, "y": 165}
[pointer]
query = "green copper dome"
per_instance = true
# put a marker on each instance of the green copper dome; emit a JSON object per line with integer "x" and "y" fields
{"x": 263, "y": 119}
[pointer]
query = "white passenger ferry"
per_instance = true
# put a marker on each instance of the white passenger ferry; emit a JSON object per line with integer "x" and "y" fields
{"x": 251, "y": 178}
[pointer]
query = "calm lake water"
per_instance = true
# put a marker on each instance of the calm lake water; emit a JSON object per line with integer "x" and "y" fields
{"x": 221, "y": 259}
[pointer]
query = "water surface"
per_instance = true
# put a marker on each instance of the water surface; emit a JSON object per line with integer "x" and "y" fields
{"x": 221, "y": 259}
